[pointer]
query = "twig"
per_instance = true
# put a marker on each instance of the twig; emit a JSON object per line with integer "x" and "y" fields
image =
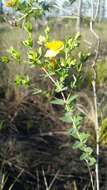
{"x": 48, "y": 75}
{"x": 3, "y": 181}
{"x": 16, "y": 179}
{"x": 91, "y": 177}
{"x": 45, "y": 180}
{"x": 37, "y": 174}
{"x": 53, "y": 179}
{"x": 64, "y": 133}
{"x": 97, "y": 9}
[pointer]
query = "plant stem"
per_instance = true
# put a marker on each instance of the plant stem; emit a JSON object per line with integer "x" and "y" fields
{"x": 92, "y": 20}
{"x": 91, "y": 177}
{"x": 54, "y": 82}
{"x": 63, "y": 97}
{"x": 24, "y": 16}
{"x": 46, "y": 72}
{"x": 97, "y": 134}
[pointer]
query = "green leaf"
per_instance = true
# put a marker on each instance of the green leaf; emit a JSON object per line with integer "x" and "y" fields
{"x": 70, "y": 99}
{"x": 32, "y": 56}
{"x": 74, "y": 82}
{"x": 83, "y": 56}
{"x": 60, "y": 87}
{"x": 70, "y": 130}
{"x": 14, "y": 53}
{"x": 67, "y": 118}
{"x": 77, "y": 145}
{"x": 84, "y": 156}
{"x": 47, "y": 30}
{"x": 58, "y": 101}
{"x": 77, "y": 36}
{"x": 41, "y": 40}
{"x": 72, "y": 62}
{"x": 4, "y": 59}
{"x": 28, "y": 27}
{"x": 92, "y": 161}
{"x": 28, "y": 43}
{"x": 88, "y": 150}
{"x": 77, "y": 120}
{"x": 22, "y": 80}
{"x": 36, "y": 91}
{"x": 84, "y": 137}
{"x": 73, "y": 132}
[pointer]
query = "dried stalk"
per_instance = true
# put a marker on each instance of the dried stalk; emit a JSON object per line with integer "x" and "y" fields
{"x": 53, "y": 180}
{"x": 97, "y": 9}
{"x": 45, "y": 180}
{"x": 92, "y": 20}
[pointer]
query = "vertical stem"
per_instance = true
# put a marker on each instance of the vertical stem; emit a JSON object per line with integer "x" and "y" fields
{"x": 45, "y": 180}
{"x": 92, "y": 20}
{"x": 97, "y": 9}
{"x": 97, "y": 134}
{"x": 91, "y": 177}
{"x": 78, "y": 27}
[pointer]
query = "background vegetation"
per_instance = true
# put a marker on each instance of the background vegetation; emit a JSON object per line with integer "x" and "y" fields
{"x": 36, "y": 150}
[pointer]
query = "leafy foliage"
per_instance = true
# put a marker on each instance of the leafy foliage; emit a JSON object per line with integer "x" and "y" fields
{"x": 58, "y": 63}
{"x": 22, "y": 80}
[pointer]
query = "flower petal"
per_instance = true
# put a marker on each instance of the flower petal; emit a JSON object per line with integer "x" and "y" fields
{"x": 55, "y": 45}
{"x": 51, "y": 53}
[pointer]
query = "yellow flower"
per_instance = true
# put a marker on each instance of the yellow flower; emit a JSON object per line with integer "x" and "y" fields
{"x": 54, "y": 48}
{"x": 55, "y": 45}
{"x": 11, "y": 3}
